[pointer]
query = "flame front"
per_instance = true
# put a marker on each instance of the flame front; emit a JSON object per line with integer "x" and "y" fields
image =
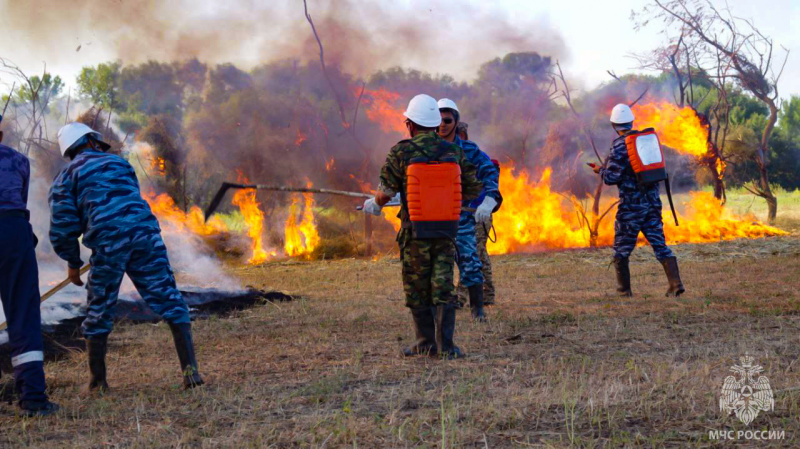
{"x": 301, "y": 238}
{"x": 533, "y": 217}
{"x": 245, "y": 199}
{"x": 380, "y": 108}
{"x": 165, "y": 209}
{"x": 677, "y": 128}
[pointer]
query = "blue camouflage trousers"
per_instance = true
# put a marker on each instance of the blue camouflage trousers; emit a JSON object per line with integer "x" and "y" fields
{"x": 144, "y": 259}
{"x": 636, "y": 215}
{"x": 469, "y": 263}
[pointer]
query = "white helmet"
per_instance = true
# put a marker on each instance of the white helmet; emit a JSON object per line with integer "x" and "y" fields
{"x": 621, "y": 114}
{"x": 71, "y": 133}
{"x": 423, "y": 111}
{"x": 446, "y": 103}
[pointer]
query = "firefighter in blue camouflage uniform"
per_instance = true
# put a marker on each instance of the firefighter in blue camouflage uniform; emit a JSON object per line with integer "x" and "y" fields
{"x": 639, "y": 210}
{"x": 428, "y": 264}
{"x": 469, "y": 262}
{"x": 19, "y": 284}
{"x": 97, "y": 195}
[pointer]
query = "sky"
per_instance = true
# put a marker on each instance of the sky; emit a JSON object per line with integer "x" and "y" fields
{"x": 589, "y": 37}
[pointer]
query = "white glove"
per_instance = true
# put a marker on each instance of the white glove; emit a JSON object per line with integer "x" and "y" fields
{"x": 371, "y": 207}
{"x": 484, "y": 212}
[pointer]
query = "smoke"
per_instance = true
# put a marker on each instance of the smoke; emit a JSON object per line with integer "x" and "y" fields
{"x": 442, "y": 37}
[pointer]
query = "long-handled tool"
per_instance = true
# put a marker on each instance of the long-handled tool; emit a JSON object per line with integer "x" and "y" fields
{"x": 229, "y": 185}
{"x": 54, "y": 290}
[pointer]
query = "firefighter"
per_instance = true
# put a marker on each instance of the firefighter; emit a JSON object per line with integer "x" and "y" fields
{"x": 19, "y": 284}
{"x": 639, "y": 209}
{"x": 97, "y": 195}
{"x": 471, "y": 277}
{"x": 427, "y": 248}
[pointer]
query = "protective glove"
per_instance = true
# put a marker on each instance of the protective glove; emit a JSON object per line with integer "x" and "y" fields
{"x": 484, "y": 212}
{"x": 371, "y": 207}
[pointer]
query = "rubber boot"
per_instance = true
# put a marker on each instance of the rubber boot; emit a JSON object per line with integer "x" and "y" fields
{"x": 445, "y": 331}
{"x": 182, "y": 334}
{"x": 476, "y": 303}
{"x": 38, "y": 408}
{"x": 623, "y": 276}
{"x": 673, "y": 276}
{"x": 426, "y": 333}
{"x": 97, "y": 346}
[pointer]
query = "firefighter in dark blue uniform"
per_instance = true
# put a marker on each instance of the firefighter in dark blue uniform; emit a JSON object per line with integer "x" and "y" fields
{"x": 639, "y": 210}
{"x": 97, "y": 196}
{"x": 19, "y": 283}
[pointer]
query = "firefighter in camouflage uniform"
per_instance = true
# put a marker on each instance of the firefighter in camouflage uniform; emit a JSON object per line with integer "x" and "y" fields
{"x": 97, "y": 195}
{"x": 639, "y": 209}
{"x": 428, "y": 263}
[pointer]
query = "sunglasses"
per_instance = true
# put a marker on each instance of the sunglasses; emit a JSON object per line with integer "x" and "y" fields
{"x": 447, "y": 121}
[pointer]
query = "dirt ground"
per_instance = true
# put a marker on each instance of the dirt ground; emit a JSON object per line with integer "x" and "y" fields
{"x": 561, "y": 363}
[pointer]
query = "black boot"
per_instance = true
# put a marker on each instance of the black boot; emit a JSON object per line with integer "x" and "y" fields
{"x": 97, "y": 346}
{"x": 426, "y": 333}
{"x": 182, "y": 334}
{"x": 623, "y": 276}
{"x": 38, "y": 408}
{"x": 445, "y": 330}
{"x": 673, "y": 275}
{"x": 476, "y": 302}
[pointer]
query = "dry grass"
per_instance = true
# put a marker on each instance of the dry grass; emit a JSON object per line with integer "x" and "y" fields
{"x": 562, "y": 362}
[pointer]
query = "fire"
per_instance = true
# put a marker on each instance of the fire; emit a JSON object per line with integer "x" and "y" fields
{"x": 159, "y": 165}
{"x": 535, "y": 217}
{"x": 330, "y": 165}
{"x": 677, "y": 128}
{"x": 379, "y": 106}
{"x": 300, "y": 138}
{"x": 302, "y": 238}
{"x": 245, "y": 199}
{"x": 164, "y": 207}
{"x": 390, "y": 214}
{"x": 707, "y": 220}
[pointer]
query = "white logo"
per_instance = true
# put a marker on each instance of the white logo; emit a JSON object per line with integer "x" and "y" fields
{"x": 746, "y": 396}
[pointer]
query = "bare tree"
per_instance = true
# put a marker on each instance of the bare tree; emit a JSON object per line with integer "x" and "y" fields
{"x": 590, "y": 219}
{"x": 750, "y": 55}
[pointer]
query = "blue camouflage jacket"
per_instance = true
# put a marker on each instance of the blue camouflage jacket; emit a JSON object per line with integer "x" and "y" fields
{"x": 97, "y": 195}
{"x": 487, "y": 172}
{"x": 618, "y": 172}
{"x": 15, "y": 175}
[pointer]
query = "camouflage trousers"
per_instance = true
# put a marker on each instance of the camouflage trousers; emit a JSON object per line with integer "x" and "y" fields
{"x": 428, "y": 267}
{"x": 481, "y": 238}
{"x": 638, "y": 216}
{"x": 144, "y": 259}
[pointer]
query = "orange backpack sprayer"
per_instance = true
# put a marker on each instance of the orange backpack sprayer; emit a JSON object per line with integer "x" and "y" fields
{"x": 647, "y": 161}
{"x": 433, "y": 196}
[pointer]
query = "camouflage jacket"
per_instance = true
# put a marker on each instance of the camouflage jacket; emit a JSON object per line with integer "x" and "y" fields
{"x": 97, "y": 195}
{"x": 618, "y": 172}
{"x": 486, "y": 171}
{"x": 393, "y": 173}
{"x": 15, "y": 175}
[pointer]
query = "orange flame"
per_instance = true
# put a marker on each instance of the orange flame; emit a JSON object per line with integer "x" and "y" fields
{"x": 329, "y": 165}
{"x": 303, "y": 238}
{"x": 380, "y": 108}
{"x": 533, "y": 217}
{"x": 677, "y": 128}
{"x": 245, "y": 199}
{"x": 164, "y": 207}
{"x": 160, "y": 165}
{"x": 300, "y": 138}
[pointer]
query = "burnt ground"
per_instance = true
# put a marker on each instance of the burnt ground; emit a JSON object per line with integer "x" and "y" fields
{"x": 562, "y": 362}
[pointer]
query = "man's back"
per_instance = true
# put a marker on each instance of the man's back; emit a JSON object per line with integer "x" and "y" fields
{"x": 101, "y": 191}
{"x": 14, "y": 178}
